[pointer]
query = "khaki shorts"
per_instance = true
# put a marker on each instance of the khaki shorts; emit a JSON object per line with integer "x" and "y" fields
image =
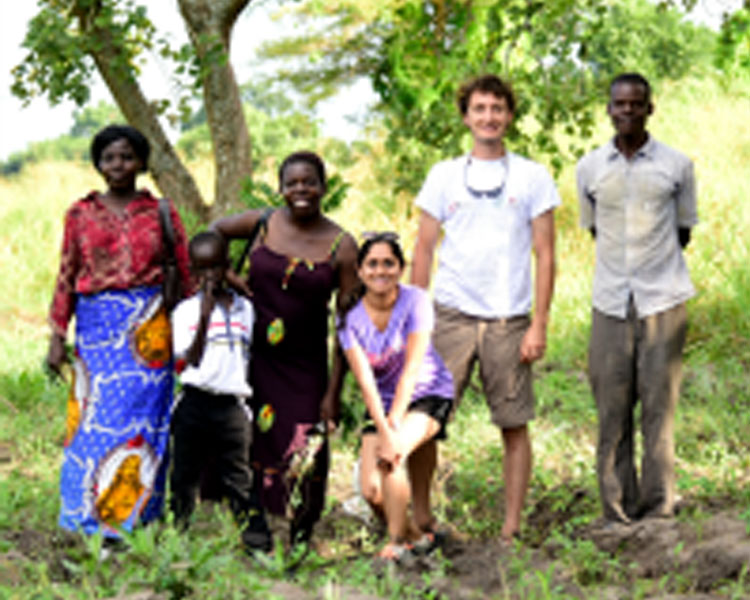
{"x": 462, "y": 339}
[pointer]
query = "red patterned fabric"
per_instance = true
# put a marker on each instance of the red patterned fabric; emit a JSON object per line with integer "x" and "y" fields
{"x": 104, "y": 250}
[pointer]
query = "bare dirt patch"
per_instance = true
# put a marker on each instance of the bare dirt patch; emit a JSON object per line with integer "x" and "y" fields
{"x": 687, "y": 558}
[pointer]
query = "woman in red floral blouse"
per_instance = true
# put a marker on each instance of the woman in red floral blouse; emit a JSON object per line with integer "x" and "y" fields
{"x": 110, "y": 279}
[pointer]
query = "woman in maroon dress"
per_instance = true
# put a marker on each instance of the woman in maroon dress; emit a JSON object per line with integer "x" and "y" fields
{"x": 299, "y": 258}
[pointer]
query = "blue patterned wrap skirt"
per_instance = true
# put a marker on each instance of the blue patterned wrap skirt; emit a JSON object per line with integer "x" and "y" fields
{"x": 117, "y": 429}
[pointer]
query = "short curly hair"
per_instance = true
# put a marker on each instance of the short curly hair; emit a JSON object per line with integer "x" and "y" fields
{"x": 112, "y": 133}
{"x": 489, "y": 84}
{"x": 304, "y": 156}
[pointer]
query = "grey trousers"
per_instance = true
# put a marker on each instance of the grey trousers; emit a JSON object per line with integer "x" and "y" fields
{"x": 630, "y": 360}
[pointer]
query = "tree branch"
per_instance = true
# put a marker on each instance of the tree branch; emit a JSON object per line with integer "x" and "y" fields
{"x": 209, "y": 24}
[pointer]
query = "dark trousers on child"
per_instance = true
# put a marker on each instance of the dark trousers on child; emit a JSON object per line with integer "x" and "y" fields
{"x": 206, "y": 426}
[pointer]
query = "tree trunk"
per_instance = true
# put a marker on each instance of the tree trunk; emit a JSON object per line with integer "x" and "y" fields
{"x": 168, "y": 171}
{"x": 209, "y": 24}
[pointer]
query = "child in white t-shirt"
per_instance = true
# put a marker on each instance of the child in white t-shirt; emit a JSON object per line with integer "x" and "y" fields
{"x": 211, "y": 334}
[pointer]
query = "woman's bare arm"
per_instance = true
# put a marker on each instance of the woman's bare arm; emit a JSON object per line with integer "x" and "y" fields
{"x": 237, "y": 226}
{"x": 346, "y": 268}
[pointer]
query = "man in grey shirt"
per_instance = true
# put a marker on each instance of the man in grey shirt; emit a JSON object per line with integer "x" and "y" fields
{"x": 637, "y": 197}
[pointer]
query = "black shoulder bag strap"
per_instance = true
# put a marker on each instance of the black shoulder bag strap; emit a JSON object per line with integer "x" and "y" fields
{"x": 171, "y": 284}
{"x": 261, "y": 223}
{"x": 167, "y": 230}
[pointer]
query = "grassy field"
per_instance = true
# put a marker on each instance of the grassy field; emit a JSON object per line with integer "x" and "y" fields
{"x": 556, "y": 559}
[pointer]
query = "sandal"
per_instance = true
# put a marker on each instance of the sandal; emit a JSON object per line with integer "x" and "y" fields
{"x": 428, "y": 542}
{"x": 397, "y": 554}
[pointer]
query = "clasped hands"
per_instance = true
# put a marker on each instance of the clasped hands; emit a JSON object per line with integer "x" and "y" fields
{"x": 389, "y": 448}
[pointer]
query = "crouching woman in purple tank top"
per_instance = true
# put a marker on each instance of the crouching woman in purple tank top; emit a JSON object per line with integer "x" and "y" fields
{"x": 407, "y": 390}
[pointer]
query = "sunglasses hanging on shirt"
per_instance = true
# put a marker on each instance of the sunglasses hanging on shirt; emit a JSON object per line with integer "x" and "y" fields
{"x": 493, "y": 192}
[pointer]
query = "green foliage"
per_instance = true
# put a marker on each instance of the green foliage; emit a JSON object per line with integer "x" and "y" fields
{"x": 552, "y": 52}
{"x": 195, "y": 66}
{"x": 273, "y": 134}
{"x": 258, "y": 194}
{"x": 33, "y": 503}
{"x": 352, "y": 414}
{"x": 268, "y": 99}
{"x": 59, "y": 63}
{"x": 654, "y": 40}
{"x": 521, "y": 580}
{"x": 589, "y": 564}
{"x": 62, "y": 148}
{"x": 13, "y": 164}
{"x": 64, "y": 35}
{"x": 559, "y": 56}
{"x": 163, "y": 560}
{"x": 733, "y": 49}
{"x": 87, "y": 121}
{"x": 277, "y": 136}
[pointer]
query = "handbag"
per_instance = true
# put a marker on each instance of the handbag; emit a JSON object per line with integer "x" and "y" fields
{"x": 171, "y": 285}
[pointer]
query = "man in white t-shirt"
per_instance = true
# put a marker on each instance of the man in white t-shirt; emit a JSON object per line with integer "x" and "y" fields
{"x": 494, "y": 208}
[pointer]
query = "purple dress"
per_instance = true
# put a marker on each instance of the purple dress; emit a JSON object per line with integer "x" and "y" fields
{"x": 289, "y": 377}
